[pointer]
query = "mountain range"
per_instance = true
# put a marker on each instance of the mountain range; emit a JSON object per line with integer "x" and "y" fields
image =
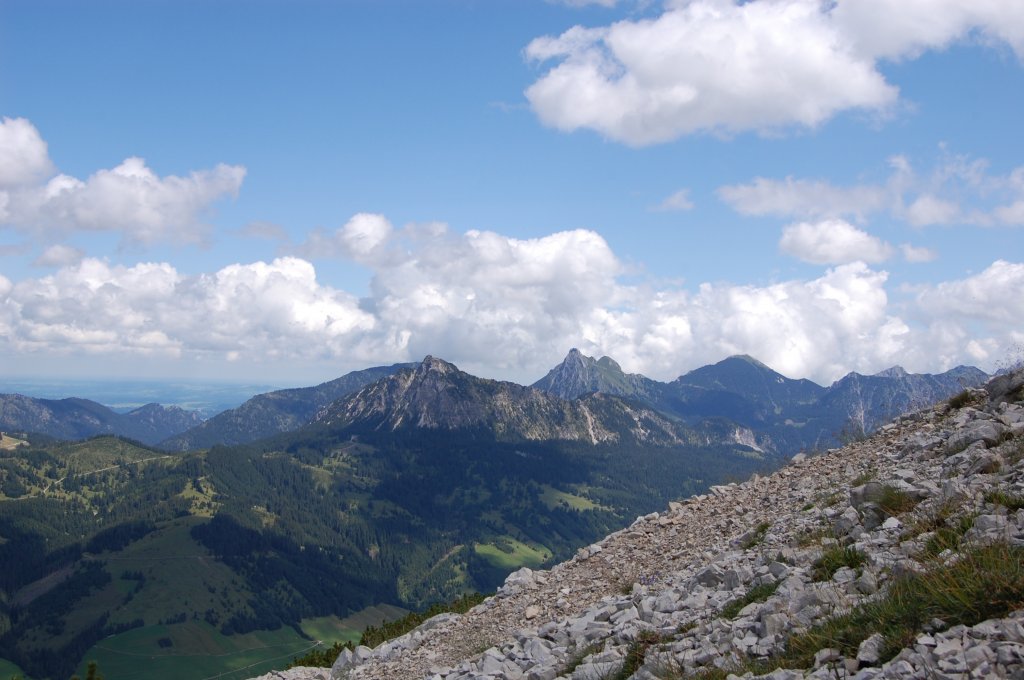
{"x": 759, "y": 406}
{"x": 400, "y": 485}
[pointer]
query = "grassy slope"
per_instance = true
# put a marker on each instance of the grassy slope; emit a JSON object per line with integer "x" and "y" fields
{"x": 198, "y": 650}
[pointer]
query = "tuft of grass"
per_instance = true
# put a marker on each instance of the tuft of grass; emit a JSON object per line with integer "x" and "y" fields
{"x": 637, "y": 653}
{"x": 1009, "y": 501}
{"x": 759, "y": 533}
{"x": 578, "y": 657}
{"x": 960, "y": 400}
{"x": 834, "y": 558}
{"x": 985, "y": 582}
{"x": 864, "y": 477}
{"x": 896, "y": 501}
{"x": 948, "y": 537}
{"x": 756, "y": 594}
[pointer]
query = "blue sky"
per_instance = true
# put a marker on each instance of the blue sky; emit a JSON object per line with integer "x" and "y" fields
{"x": 286, "y": 191}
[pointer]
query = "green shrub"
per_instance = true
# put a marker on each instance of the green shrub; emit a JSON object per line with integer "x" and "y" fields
{"x": 756, "y": 594}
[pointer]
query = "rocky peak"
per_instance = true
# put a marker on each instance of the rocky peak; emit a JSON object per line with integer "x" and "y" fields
{"x": 892, "y": 372}
{"x": 579, "y": 374}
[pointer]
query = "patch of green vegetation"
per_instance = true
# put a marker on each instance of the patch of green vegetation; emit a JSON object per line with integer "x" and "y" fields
{"x": 948, "y": 537}
{"x": 333, "y": 629}
{"x": 986, "y": 582}
{"x": 577, "y": 658}
{"x": 960, "y": 400}
{"x": 834, "y": 558}
{"x": 758, "y": 536}
{"x": 894, "y": 501}
{"x": 864, "y": 477}
{"x": 9, "y": 669}
{"x": 195, "y": 650}
{"x": 637, "y": 652}
{"x": 756, "y": 594}
{"x": 506, "y": 552}
{"x": 1011, "y": 502}
{"x": 553, "y": 498}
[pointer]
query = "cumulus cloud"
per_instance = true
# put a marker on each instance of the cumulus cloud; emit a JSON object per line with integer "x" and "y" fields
{"x": 129, "y": 199}
{"x": 706, "y": 65}
{"x": 275, "y": 309}
{"x": 730, "y": 66}
{"x": 496, "y": 304}
{"x": 676, "y": 202}
{"x": 24, "y": 158}
{"x": 912, "y": 27}
{"x": 832, "y": 242}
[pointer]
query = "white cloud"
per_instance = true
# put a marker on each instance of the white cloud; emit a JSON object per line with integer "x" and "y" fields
{"x": 262, "y": 310}
{"x": 129, "y": 199}
{"x": 929, "y": 210}
{"x": 912, "y": 27}
{"x": 496, "y": 304}
{"x": 957, "y": 190}
{"x": 676, "y": 202}
{"x": 59, "y": 255}
{"x": 917, "y": 254}
{"x": 730, "y": 66}
{"x": 23, "y": 154}
{"x": 803, "y": 198}
{"x": 992, "y": 295}
{"x": 705, "y": 65}
{"x": 832, "y": 242}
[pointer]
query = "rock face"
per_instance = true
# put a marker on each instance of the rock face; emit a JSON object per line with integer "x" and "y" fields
{"x": 274, "y": 412}
{"x": 81, "y": 418}
{"x": 734, "y": 574}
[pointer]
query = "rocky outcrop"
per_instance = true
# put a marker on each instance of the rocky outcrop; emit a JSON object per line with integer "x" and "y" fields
{"x": 737, "y": 574}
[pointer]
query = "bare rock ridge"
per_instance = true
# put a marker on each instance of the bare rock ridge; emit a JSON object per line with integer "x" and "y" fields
{"x": 742, "y": 573}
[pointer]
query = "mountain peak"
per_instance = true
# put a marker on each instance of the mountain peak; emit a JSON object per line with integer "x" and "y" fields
{"x": 892, "y": 372}
{"x": 579, "y": 374}
{"x": 432, "y": 364}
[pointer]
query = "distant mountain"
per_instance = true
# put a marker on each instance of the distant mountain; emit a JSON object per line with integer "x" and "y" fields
{"x": 273, "y": 412}
{"x": 770, "y": 411}
{"x": 868, "y": 401}
{"x": 579, "y": 374}
{"x": 80, "y": 418}
{"x": 438, "y": 396}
